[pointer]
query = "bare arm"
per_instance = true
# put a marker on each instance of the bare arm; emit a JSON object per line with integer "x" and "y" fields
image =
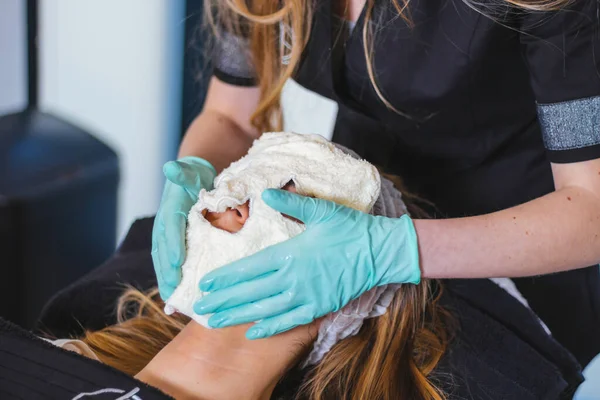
{"x": 557, "y": 232}
{"x": 222, "y": 133}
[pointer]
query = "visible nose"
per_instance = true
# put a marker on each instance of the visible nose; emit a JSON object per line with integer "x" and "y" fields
{"x": 239, "y": 213}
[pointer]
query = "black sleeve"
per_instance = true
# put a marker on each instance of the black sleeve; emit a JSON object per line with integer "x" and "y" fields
{"x": 33, "y": 369}
{"x": 562, "y": 49}
{"x": 232, "y": 60}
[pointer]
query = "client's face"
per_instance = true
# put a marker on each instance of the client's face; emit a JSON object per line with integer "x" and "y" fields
{"x": 233, "y": 219}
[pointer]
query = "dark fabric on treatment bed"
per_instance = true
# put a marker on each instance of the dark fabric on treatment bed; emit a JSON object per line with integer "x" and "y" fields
{"x": 32, "y": 369}
{"x": 90, "y": 302}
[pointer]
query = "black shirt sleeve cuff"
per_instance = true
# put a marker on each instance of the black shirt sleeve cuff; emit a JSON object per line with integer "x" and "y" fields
{"x": 233, "y": 80}
{"x": 574, "y": 155}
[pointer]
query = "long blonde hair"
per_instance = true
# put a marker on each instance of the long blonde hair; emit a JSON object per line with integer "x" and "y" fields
{"x": 260, "y": 22}
{"x": 392, "y": 357}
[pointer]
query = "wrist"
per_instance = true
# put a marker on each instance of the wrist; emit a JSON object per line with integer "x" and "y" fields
{"x": 398, "y": 255}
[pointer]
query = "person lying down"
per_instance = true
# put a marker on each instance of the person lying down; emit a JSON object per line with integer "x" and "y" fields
{"x": 231, "y": 222}
{"x": 393, "y": 342}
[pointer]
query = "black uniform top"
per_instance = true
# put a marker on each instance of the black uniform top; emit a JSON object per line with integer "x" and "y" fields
{"x": 472, "y": 89}
{"x": 486, "y": 104}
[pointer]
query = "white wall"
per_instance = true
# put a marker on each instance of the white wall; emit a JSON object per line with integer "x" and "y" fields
{"x": 114, "y": 68}
{"x": 307, "y": 112}
{"x": 13, "y": 56}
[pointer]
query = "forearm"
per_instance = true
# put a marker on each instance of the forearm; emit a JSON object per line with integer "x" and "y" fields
{"x": 223, "y": 132}
{"x": 557, "y": 232}
{"x": 216, "y": 138}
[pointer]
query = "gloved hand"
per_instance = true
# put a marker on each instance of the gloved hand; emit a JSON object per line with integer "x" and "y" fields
{"x": 185, "y": 178}
{"x": 341, "y": 254}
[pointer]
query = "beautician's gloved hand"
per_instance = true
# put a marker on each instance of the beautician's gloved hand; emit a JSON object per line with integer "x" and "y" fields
{"x": 185, "y": 178}
{"x": 341, "y": 254}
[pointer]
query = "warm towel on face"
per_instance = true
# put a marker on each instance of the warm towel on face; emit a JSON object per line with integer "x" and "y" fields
{"x": 315, "y": 166}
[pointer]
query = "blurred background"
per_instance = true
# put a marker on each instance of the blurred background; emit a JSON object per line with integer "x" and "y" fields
{"x": 95, "y": 96}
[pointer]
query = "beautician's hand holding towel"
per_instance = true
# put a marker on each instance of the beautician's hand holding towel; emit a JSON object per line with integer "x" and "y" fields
{"x": 185, "y": 178}
{"x": 342, "y": 254}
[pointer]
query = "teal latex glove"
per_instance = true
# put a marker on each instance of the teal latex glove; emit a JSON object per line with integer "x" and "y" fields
{"x": 341, "y": 254}
{"x": 185, "y": 178}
